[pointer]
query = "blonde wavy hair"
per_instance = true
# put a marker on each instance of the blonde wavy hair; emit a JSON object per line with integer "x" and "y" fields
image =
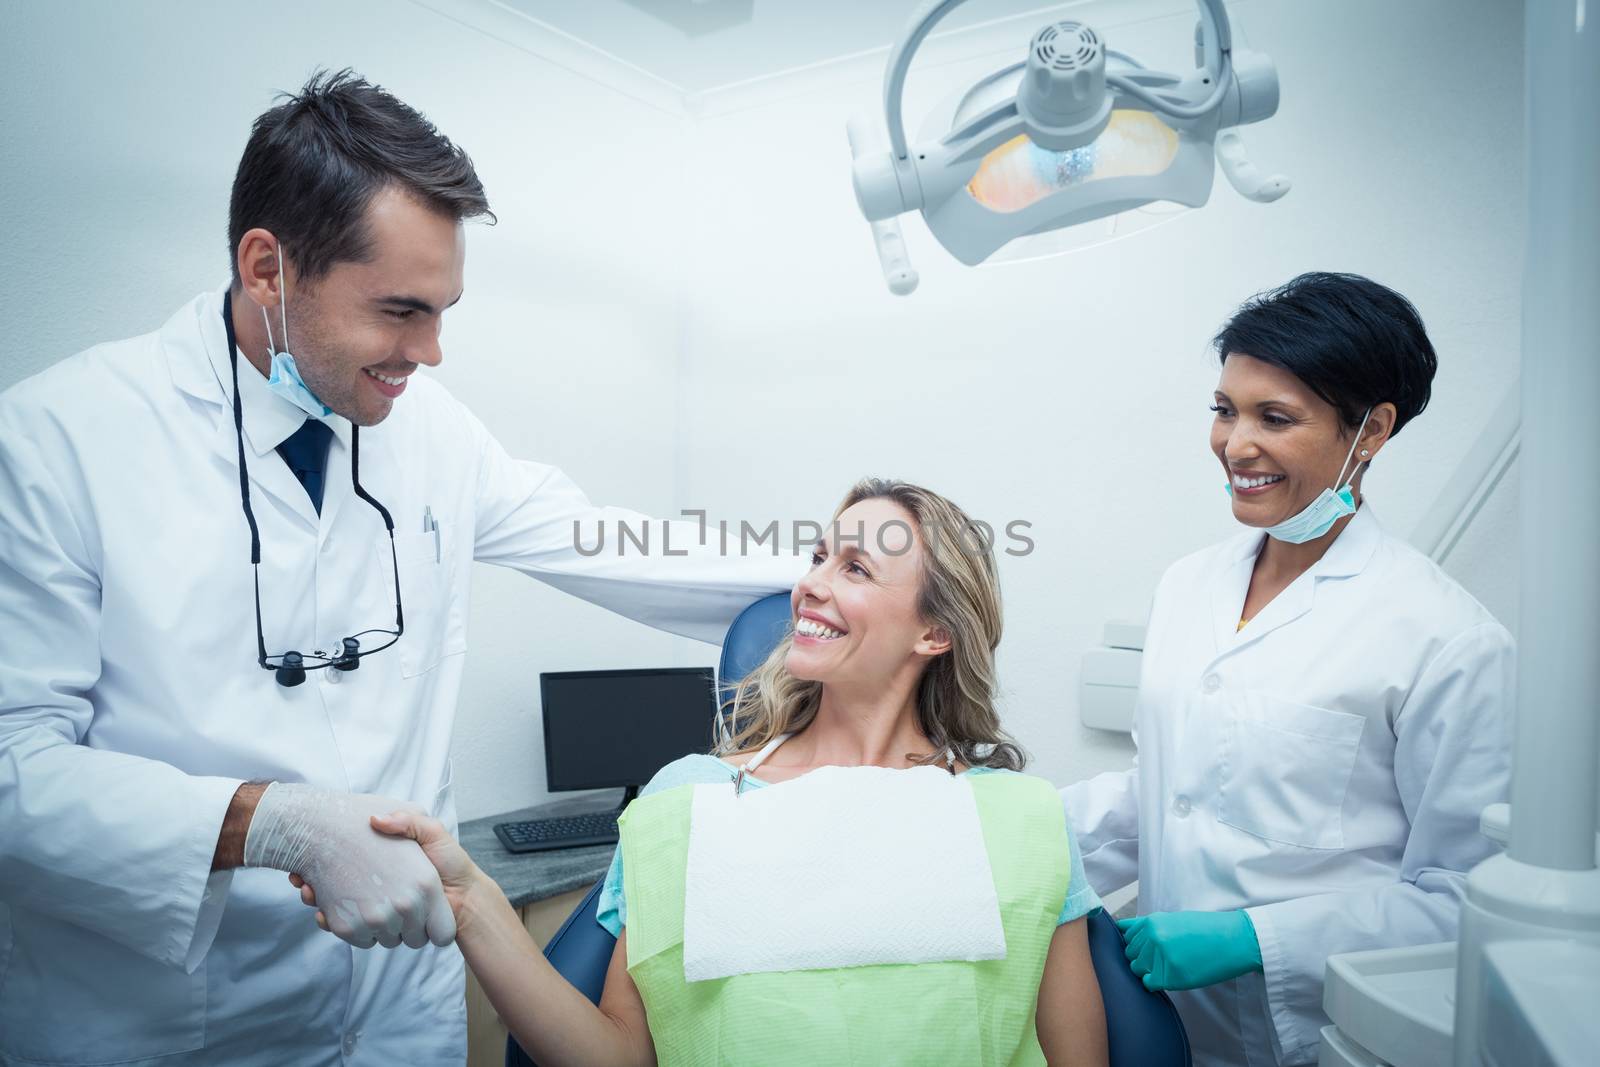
{"x": 960, "y": 593}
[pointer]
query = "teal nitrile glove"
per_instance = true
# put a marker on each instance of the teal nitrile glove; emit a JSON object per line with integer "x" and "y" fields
{"x": 1190, "y": 949}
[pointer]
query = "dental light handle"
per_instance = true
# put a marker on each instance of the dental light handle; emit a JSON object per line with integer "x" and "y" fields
{"x": 1243, "y": 175}
{"x": 886, "y": 235}
{"x": 897, "y": 270}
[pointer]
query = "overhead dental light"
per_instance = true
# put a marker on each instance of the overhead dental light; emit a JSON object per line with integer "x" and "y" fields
{"x": 1074, "y": 132}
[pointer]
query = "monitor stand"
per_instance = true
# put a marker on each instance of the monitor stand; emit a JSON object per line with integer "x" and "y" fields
{"x": 629, "y": 795}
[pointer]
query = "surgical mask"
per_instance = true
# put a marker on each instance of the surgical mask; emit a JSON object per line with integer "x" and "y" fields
{"x": 1331, "y": 505}
{"x": 285, "y": 378}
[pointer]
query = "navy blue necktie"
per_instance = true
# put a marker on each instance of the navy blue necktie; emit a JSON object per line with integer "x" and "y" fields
{"x": 306, "y": 453}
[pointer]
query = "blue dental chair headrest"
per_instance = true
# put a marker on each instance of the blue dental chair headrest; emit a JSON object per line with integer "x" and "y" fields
{"x": 1142, "y": 1028}
{"x": 752, "y": 637}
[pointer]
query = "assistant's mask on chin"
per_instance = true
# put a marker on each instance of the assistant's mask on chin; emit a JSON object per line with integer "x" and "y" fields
{"x": 285, "y": 378}
{"x": 1331, "y": 505}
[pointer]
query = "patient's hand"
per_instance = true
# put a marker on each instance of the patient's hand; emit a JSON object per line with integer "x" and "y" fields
{"x": 457, "y": 872}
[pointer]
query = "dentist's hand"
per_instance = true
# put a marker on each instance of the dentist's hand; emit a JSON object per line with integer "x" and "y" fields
{"x": 458, "y": 875}
{"x": 374, "y": 889}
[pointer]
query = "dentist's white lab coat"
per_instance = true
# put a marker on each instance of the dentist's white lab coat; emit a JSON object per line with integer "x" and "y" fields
{"x": 131, "y": 706}
{"x": 1323, "y": 768}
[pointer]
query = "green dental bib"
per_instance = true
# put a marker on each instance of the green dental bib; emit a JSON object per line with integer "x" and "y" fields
{"x": 957, "y": 1012}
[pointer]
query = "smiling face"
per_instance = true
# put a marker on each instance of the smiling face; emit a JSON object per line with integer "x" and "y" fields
{"x": 856, "y": 612}
{"x": 359, "y": 331}
{"x": 1279, "y": 443}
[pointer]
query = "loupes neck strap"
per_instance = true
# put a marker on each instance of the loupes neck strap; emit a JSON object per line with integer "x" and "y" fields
{"x": 238, "y": 429}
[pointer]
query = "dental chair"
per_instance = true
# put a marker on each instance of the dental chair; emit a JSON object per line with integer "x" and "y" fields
{"x": 1142, "y": 1028}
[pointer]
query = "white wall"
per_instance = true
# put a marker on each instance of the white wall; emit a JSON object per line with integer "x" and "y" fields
{"x": 706, "y": 287}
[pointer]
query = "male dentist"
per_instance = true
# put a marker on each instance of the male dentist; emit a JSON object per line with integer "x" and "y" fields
{"x": 234, "y": 559}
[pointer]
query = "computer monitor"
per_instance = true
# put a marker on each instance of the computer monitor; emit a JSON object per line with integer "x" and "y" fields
{"x": 605, "y": 729}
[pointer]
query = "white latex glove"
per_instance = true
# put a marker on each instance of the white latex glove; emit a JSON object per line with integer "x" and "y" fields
{"x": 374, "y": 889}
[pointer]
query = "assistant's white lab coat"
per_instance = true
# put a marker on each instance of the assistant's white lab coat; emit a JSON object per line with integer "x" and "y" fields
{"x": 1323, "y": 768}
{"x": 131, "y": 706}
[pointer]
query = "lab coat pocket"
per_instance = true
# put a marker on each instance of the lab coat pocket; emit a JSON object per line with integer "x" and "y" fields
{"x": 1284, "y": 768}
{"x": 430, "y": 597}
{"x": 69, "y": 996}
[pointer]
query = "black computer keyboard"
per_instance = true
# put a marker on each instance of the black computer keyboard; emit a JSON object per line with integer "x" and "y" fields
{"x": 563, "y": 831}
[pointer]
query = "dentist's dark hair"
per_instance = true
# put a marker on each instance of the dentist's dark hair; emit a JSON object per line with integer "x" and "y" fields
{"x": 314, "y": 162}
{"x": 1354, "y": 343}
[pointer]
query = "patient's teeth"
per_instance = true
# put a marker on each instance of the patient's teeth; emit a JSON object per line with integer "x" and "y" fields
{"x": 812, "y": 628}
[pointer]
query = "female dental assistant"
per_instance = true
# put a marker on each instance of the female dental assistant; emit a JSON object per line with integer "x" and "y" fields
{"x": 1323, "y": 713}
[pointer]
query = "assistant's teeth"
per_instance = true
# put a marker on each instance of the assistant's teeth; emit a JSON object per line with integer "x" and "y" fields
{"x": 1253, "y": 483}
{"x": 812, "y": 628}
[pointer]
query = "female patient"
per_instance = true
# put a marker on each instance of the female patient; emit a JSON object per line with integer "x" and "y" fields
{"x": 935, "y": 914}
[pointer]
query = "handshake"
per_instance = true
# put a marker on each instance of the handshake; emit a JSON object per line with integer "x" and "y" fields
{"x": 379, "y": 871}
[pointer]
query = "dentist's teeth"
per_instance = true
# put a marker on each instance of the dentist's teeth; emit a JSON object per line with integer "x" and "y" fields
{"x": 385, "y": 379}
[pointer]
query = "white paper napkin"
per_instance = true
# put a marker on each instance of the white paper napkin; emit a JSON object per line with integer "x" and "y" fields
{"x": 841, "y": 867}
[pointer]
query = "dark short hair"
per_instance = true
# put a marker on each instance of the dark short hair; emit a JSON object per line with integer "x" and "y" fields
{"x": 1354, "y": 343}
{"x": 314, "y": 162}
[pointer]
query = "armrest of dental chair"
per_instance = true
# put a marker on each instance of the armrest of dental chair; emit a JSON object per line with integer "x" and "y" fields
{"x": 1142, "y": 1028}
{"x": 581, "y": 953}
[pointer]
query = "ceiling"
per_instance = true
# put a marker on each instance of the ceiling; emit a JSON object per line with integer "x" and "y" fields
{"x": 700, "y": 45}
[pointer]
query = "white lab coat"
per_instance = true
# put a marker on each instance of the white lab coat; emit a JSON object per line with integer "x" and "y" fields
{"x": 131, "y": 706}
{"x": 1323, "y": 768}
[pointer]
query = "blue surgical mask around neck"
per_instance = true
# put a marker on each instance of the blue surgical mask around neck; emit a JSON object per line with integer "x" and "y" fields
{"x": 285, "y": 378}
{"x": 1331, "y": 505}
